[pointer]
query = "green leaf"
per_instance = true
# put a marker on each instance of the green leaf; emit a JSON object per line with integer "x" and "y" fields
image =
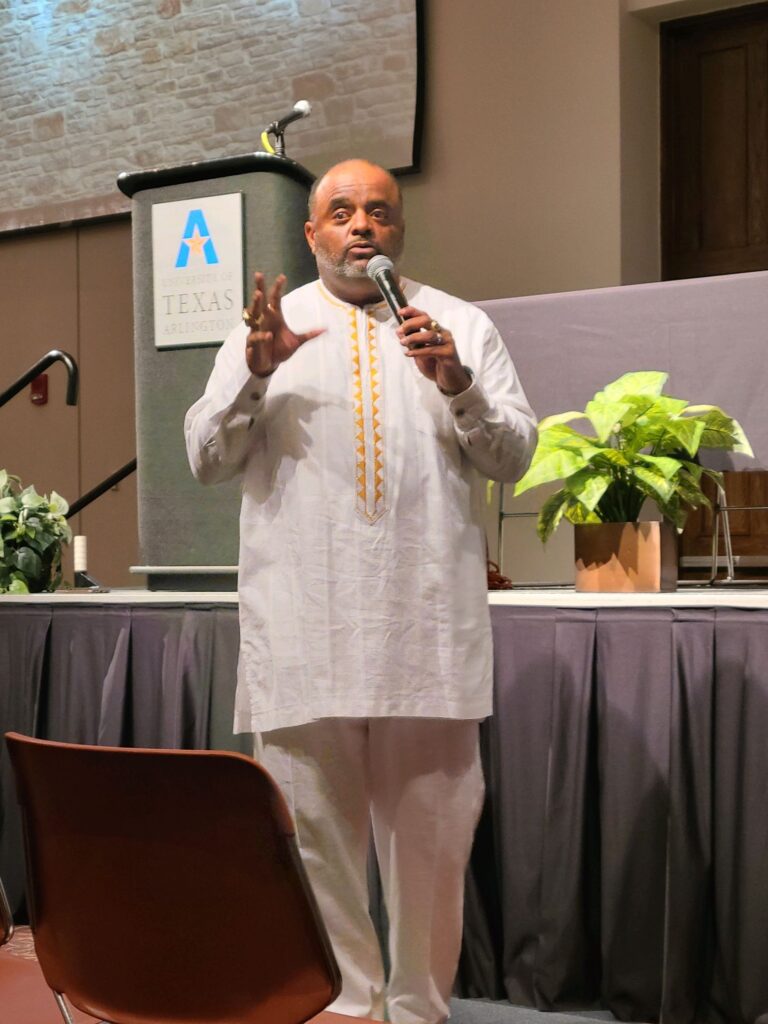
{"x": 666, "y": 405}
{"x": 639, "y": 382}
{"x": 7, "y": 505}
{"x": 31, "y": 499}
{"x": 612, "y": 459}
{"x": 576, "y": 513}
{"x": 551, "y": 513}
{"x": 588, "y": 486}
{"x": 606, "y": 417}
{"x": 663, "y": 464}
{"x": 687, "y": 432}
{"x": 640, "y": 408}
{"x": 561, "y": 417}
{"x": 674, "y": 513}
{"x": 18, "y": 586}
{"x": 560, "y": 436}
{"x": 58, "y": 505}
{"x": 654, "y": 484}
{"x": 41, "y": 541}
{"x": 713, "y": 474}
{"x": 691, "y": 493}
{"x": 554, "y": 465}
{"x": 29, "y": 562}
{"x": 720, "y": 431}
{"x": 560, "y": 504}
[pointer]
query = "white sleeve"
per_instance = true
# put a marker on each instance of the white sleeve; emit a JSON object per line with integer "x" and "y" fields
{"x": 494, "y": 423}
{"x": 219, "y": 428}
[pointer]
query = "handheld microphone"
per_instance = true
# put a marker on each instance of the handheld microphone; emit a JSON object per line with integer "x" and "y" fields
{"x": 380, "y": 269}
{"x": 300, "y": 109}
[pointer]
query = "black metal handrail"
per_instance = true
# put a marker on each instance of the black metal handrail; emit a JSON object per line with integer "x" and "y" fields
{"x": 99, "y": 489}
{"x": 56, "y": 355}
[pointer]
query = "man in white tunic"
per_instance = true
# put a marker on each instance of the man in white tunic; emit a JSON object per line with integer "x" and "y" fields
{"x": 366, "y": 659}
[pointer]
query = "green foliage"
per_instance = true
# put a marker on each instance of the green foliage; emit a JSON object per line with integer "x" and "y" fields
{"x": 645, "y": 445}
{"x": 32, "y": 532}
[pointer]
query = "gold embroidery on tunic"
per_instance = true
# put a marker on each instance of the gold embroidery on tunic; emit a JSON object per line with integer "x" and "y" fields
{"x": 366, "y": 414}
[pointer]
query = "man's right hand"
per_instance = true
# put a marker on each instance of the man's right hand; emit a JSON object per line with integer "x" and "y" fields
{"x": 270, "y": 341}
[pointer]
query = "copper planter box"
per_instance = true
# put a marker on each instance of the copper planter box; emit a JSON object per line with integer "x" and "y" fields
{"x": 626, "y": 558}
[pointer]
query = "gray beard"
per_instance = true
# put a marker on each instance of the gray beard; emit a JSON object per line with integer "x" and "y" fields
{"x": 340, "y": 267}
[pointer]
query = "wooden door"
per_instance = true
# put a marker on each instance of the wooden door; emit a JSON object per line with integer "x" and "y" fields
{"x": 714, "y": 74}
{"x": 749, "y": 528}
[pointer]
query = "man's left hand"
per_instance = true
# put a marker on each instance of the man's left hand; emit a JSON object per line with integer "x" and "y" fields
{"x": 433, "y": 348}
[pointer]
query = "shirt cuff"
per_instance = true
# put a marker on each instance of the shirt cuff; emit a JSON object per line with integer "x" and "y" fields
{"x": 469, "y": 408}
{"x": 251, "y": 394}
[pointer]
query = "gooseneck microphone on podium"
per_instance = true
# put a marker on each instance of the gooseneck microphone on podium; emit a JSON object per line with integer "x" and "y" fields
{"x": 381, "y": 271}
{"x": 301, "y": 108}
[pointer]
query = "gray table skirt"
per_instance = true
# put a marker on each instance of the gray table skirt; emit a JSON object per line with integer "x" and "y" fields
{"x": 622, "y": 856}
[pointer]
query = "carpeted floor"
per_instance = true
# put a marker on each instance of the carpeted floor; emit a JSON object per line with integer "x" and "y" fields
{"x": 485, "y": 1011}
{"x": 463, "y": 1011}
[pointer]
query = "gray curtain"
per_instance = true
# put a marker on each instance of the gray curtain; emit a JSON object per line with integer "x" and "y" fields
{"x": 622, "y": 855}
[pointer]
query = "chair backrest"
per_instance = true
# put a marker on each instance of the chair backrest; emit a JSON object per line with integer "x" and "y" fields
{"x": 166, "y": 886}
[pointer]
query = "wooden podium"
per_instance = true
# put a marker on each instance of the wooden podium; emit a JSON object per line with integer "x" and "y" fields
{"x": 188, "y": 534}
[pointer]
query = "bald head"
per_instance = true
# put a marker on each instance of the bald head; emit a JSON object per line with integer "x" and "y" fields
{"x": 353, "y": 168}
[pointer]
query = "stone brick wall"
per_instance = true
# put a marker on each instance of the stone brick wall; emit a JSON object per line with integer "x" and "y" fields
{"x": 89, "y": 88}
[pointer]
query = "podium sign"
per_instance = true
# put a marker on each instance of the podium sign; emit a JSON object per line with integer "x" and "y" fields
{"x": 197, "y": 265}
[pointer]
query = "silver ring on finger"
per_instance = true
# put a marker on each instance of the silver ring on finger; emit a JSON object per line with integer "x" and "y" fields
{"x": 438, "y": 339}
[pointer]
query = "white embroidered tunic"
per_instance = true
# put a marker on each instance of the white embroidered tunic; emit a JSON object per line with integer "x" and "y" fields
{"x": 362, "y": 549}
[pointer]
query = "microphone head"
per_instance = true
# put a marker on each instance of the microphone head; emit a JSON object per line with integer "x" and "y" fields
{"x": 377, "y": 265}
{"x": 303, "y": 108}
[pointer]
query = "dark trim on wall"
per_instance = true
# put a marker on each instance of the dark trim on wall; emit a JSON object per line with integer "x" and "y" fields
{"x": 62, "y": 225}
{"x": 421, "y": 78}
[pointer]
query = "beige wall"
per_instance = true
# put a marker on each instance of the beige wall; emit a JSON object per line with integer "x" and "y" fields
{"x": 520, "y": 190}
{"x": 640, "y": 150}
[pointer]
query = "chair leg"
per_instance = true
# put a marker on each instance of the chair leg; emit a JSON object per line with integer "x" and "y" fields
{"x": 6, "y": 917}
{"x": 63, "y": 1007}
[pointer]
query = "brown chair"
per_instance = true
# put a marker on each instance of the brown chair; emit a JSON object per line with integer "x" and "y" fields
{"x": 24, "y": 996}
{"x": 166, "y": 886}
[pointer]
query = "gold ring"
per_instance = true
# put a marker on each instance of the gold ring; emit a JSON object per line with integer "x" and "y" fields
{"x": 434, "y": 326}
{"x": 249, "y": 322}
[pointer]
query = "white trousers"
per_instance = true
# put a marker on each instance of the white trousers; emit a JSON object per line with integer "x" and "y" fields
{"x": 419, "y": 782}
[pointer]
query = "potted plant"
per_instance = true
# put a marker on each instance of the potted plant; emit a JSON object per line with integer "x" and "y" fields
{"x": 642, "y": 444}
{"x": 33, "y": 530}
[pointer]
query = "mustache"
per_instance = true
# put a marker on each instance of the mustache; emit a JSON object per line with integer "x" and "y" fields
{"x": 362, "y": 241}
